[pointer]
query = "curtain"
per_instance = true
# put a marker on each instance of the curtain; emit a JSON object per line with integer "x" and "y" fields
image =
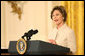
{"x": 75, "y": 20}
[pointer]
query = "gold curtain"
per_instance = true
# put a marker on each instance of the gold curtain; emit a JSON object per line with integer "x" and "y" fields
{"x": 75, "y": 20}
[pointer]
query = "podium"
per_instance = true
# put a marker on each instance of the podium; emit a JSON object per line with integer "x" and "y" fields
{"x": 38, "y": 47}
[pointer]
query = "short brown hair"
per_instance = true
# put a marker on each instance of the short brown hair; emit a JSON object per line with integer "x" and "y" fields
{"x": 61, "y": 10}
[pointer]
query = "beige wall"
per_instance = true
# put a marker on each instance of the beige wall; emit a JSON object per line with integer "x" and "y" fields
{"x": 36, "y": 15}
{"x": 3, "y": 40}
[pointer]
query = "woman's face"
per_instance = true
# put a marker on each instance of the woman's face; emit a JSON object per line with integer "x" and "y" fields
{"x": 57, "y": 17}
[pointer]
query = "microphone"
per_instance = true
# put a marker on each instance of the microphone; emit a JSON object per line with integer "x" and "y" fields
{"x": 29, "y": 34}
{"x": 35, "y": 31}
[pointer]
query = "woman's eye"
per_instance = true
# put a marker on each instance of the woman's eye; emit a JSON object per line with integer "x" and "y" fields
{"x": 57, "y": 14}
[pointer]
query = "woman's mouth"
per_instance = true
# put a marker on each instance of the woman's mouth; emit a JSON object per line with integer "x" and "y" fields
{"x": 55, "y": 20}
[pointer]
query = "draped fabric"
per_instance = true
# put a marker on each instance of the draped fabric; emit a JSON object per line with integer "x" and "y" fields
{"x": 75, "y": 20}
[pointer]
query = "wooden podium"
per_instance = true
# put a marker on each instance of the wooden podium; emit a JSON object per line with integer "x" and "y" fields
{"x": 38, "y": 47}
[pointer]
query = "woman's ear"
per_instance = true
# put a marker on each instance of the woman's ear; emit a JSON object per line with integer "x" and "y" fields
{"x": 63, "y": 18}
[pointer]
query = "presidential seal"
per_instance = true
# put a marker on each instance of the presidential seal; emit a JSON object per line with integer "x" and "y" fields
{"x": 21, "y": 46}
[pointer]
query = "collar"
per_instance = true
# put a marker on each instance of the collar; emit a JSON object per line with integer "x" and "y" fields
{"x": 62, "y": 27}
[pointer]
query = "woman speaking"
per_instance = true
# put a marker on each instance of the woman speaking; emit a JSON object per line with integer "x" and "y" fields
{"x": 61, "y": 34}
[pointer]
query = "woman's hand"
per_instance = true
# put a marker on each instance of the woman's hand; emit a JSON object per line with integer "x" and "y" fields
{"x": 52, "y": 41}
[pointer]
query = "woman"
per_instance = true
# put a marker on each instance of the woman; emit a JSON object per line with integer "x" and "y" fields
{"x": 62, "y": 34}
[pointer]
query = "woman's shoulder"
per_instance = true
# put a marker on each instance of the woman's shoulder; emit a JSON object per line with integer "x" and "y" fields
{"x": 69, "y": 30}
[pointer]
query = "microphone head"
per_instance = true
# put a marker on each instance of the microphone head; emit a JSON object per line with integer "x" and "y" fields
{"x": 35, "y": 31}
{"x": 30, "y": 33}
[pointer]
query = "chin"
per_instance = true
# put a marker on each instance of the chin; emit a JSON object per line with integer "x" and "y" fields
{"x": 57, "y": 23}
